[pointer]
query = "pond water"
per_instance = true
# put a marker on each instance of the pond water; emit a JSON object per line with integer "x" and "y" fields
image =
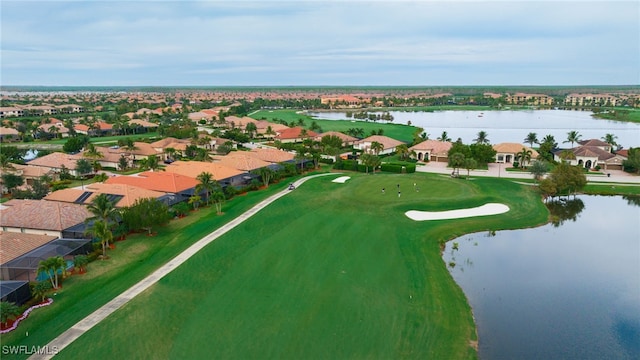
{"x": 566, "y": 290}
{"x": 510, "y": 126}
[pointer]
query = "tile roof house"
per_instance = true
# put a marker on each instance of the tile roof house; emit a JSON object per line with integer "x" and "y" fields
{"x": 223, "y": 174}
{"x": 592, "y": 153}
{"x": 389, "y": 144}
{"x": 167, "y": 182}
{"x": 432, "y": 150}
{"x": 56, "y": 129}
{"x": 346, "y": 139}
{"x": 123, "y": 195}
{"x": 41, "y": 216}
{"x": 271, "y": 155}
{"x": 29, "y": 173}
{"x": 508, "y": 152}
{"x": 8, "y": 134}
{"x": 15, "y": 244}
{"x": 56, "y": 160}
{"x": 179, "y": 145}
{"x": 242, "y": 160}
{"x": 149, "y": 126}
{"x": 294, "y": 134}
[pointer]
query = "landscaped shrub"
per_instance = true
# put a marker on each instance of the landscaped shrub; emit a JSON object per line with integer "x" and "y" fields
{"x": 399, "y": 167}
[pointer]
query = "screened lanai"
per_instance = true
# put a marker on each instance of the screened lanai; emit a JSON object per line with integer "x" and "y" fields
{"x": 25, "y": 266}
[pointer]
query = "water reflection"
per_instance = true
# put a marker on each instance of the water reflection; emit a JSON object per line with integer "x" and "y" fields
{"x": 564, "y": 209}
{"x": 569, "y": 291}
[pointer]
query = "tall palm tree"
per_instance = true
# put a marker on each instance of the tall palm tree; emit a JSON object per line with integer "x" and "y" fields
{"x": 532, "y": 138}
{"x": 100, "y": 230}
{"x": 92, "y": 152}
{"x": 403, "y": 151}
{"x": 524, "y": 156}
{"x": 573, "y": 137}
{"x": 103, "y": 209}
{"x": 611, "y": 140}
{"x": 376, "y": 147}
{"x": 482, "y": 137}
{"x": 444, "y": 137}
{"x": 207, "y": 184}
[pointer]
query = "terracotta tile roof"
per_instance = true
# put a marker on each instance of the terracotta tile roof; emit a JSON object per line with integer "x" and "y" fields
{"x": 129, "y": 194}
{"x": 294, "y": 133}
{"x": 167, "y": 182}
{"x": 272, "y": 155}
{"x": 513, "y": 148}
{"x": 42, "y": 214}
{"x": 32, "y": 172}
{"x": 241, "y": 160}
{"x": 593, "y": 142}
{"x": 61, "y": 129}
{"x": 55, "y": 160}
{"x": 8, "y": 131}
{"x": 387, "y": 142}
{"x": 142, "y": 123}
{"x": 194, "y": 168}
{"x": 593, "y": 151}
{"x": 168, "y": 142}
{"x": 435, "y": 147}
{"x": 14, "y": 244}
{"x": 344, "y": 137}
{"x": 623, "y": 152}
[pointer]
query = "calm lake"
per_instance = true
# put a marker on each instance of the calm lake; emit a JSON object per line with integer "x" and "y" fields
{"x": 569, "y": 290}
{"x": 511, "y": 126}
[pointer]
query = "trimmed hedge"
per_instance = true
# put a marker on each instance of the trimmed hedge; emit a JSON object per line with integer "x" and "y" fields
{"x": 399, "y": 167}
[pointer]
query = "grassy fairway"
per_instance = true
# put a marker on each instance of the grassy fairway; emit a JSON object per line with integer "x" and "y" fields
{"x": 396, "y": 131}
{"x": 329, "y": 271}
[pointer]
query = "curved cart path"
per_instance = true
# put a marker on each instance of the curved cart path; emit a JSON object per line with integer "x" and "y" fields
{"x": 67, "y": 337}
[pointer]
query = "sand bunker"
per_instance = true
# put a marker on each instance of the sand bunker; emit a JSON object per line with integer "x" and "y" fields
{"x": 341, "y": 179}
{"x": 484, "y": 210}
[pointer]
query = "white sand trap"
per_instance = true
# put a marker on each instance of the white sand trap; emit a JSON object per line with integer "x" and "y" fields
{"x": 341, "y": 179}
{"x": 484, "y": 210}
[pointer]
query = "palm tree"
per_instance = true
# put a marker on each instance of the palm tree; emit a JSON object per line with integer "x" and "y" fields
{"x": 80, "y": 262}
{"x": 251, "y": 129}
{"x": 444, "y": 137}
{"x": 40, "y": 290}
{"x": 481, "y": 138}
{"x": 376, "y": 147}
{"x": 100, "y": 230}
{"x": 403, "y": 151}
{"x": 573, "y": 137}
{"x": 51, "y": 266}
{"x": 218, "y": 198}
{"x": 611, "y": 140}
{"x": 7, "y": 311}
{"x": 207, "y": 183}
{"x": 532, "y": 138}
{"x": 103, "y": 209}
{"x": 456, "y": 161}
{"x": 524, "y": 156}
{"x": 92, "y": 152}
{"x": 83, "y": 167}
{"x": 549, "y": 139}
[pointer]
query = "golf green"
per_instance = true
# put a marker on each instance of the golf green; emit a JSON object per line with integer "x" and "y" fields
{"x": 329, "y": 271}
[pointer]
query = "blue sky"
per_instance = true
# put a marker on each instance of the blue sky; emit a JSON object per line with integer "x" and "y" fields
{"x": 307, "y": 43}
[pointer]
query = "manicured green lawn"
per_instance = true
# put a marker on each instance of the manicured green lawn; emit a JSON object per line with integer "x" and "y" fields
{"x": 397, "y": 131}
{"x": 329, "y": 271}
{"x": 130, "y": 262}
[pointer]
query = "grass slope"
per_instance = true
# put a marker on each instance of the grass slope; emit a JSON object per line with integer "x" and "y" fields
{"x": 329, "y": 271}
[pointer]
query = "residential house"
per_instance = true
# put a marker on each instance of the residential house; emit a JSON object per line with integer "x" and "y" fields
{"x": 591, "y": 154}
{"x": 147, "y": 126}
{"x": 388, "y": 144}
{"x": 507, "y": 153}
{"x": 529, "y": 99}
{"x": 56, "y": 129}
{"x": 432, "y": 150}
{"x": 294, "y": 134}
{"x": 347, "y": 140}
{"x": 242, "y": 160}
{"x": 56, "y": 161}
{"x": 41, "y": 216}
{"x": 178, "y": 145}
{"x": 99, "y": 128}
{"x": 8, "y": 134}
{"x": 28, "y": 172}
{"x": 225, "y": 175}
{"x": 10, "y": 111}
{"x": 178, "y": 187}
{"x": 69, "y": 109}
{"x": 122, "y": 195}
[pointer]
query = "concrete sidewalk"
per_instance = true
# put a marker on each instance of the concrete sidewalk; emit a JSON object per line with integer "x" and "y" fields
{"x": 94, "y": 318}
{"x": 499, "y": 170}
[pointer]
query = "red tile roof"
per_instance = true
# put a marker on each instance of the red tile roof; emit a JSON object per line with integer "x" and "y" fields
{"x": 294, "y": 133}
{"x": 194, "y": 168}
{"x": 168, "y": 182}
